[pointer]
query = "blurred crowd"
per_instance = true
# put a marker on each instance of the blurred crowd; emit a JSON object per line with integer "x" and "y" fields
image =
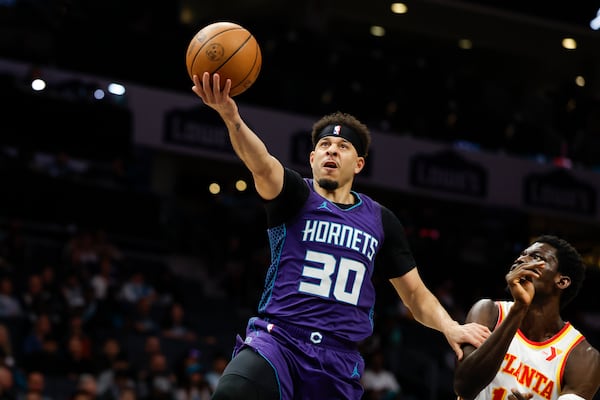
{"x": 84, "y": 325}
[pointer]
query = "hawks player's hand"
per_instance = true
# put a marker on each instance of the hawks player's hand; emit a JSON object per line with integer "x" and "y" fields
{"x": 516, "y": 395}
{"x": 520, "y": 280}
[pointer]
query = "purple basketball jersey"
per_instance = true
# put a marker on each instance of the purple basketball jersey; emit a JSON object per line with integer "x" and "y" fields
{"x": 321, "y": 267}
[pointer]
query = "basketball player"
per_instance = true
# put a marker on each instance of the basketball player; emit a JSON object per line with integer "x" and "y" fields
{"x": 532, "y": 352}
{"x": 318, "y": 296}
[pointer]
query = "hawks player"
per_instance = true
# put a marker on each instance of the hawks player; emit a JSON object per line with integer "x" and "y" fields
{"x": 532, "y": 353}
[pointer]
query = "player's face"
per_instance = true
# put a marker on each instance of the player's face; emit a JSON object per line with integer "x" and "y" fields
{"x": 335, "y": 159}
{"x": 540, "y": 252}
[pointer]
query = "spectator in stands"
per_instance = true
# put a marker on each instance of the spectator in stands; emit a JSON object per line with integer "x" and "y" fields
{"x": 8, "y": 390}
{"x": 41, "y": 347}
{"x": 36, "y": 384}
{"x": 51, "y": 291}
{"x": 88, "y": 384}
{"x": 80, "y": 254}
{"x": 156, "y": 381}
{"x": 193, "y": 386}
{"x": 142, "y": 319}
{"x": 127, "y": 393}
{"x": 75, "y": 328}
{"x": 217, "y": 366}
{"x": 105, "y": 247}
{"x": 135, "y": 288}
{"x": 7, "y": 353}
{"x": 175, "y": 326}
{"x": 76, "y": 361}
{"x": 379, "y": 382}
{"x": 37, "y": 301}
{"x": 49, "y": 279}
{"x": 114, "y": 382}
{"x": 10, "y": 305}
{"x": 109, "y": 353}
{"x": 73, "y": 291}
{"x": 79, "y": 394}
{"x": 141, "y": 359}
{"x": 105, "y": 279}
{"x": 189, "y": 363}
{"x": 105, "y": 285}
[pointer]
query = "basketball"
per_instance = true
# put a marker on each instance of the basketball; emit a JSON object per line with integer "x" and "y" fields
{"x": 228, "y": 49}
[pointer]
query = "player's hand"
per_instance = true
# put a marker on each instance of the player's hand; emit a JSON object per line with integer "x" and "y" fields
{"x": 520, "y": 279}
{"x": 472, "y": 333}
{"x": 516, "y": 395}
{"x": 208, "y": 88}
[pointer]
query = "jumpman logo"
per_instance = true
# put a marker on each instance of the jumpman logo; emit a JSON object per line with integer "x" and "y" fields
{"x": 323, "y": 206}
{"x": 355, "y": 373}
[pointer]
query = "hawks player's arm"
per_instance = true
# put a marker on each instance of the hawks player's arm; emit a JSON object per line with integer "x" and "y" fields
{"x": 582, "y": 372}
{"x": 479, "y": 365}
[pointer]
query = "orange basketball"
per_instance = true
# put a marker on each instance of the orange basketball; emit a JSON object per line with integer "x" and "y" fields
{"x": 227, "y": 49}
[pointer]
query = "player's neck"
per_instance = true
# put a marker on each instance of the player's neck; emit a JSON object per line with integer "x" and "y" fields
{"x": 541, "y": 324}
{"x": 340, "y": 195}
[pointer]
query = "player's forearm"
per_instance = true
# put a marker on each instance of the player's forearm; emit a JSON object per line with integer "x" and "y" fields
{"x": 427, "y": 310}
{"x": 477, "y": 369}
{"x": 266, "y": 170}
{"x": 246, "y": 144}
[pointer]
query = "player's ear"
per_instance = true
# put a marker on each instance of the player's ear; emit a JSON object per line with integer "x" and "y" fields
{"x": 562, "y": 281}
{"x": 360, "y": 164}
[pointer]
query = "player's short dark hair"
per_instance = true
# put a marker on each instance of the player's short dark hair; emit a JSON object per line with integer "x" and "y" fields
{"x": 570, "y": 264}
{"x": 340, "y": 118}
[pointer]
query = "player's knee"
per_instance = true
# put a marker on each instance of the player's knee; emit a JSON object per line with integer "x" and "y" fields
{"x": 234, "y": 387}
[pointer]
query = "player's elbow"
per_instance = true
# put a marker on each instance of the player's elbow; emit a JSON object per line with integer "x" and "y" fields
{"x": 463, "y": 387}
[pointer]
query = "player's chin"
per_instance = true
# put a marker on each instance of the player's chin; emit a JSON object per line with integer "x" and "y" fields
{"x": 328, "y": 183}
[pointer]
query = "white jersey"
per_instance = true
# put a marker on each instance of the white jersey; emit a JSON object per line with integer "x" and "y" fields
{"x": 535, "y": 367}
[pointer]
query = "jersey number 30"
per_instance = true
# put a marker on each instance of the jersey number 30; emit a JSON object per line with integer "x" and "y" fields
{"x": 333, "y": 274}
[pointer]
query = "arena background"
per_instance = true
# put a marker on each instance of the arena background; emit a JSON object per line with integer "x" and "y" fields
{"x": 508, "y": 112}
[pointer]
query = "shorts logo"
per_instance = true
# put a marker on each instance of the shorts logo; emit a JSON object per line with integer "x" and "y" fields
{"x": 270, "y": 327}
{"x": 355, "y": 373}
{"x": 316, "y": 337}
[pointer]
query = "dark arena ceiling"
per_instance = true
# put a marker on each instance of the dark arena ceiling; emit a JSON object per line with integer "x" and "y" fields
{"x": 319, "y": 55}
{"x": 146, "y": 40}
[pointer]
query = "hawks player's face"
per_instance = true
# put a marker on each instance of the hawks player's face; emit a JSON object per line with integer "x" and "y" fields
{"x": 534, "y": 255}
{"x": 334, "y": 158}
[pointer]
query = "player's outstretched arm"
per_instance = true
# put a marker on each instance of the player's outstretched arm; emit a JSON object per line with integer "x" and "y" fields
{"x": 427, "y": 309}
{"x": 266, "y": 170}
